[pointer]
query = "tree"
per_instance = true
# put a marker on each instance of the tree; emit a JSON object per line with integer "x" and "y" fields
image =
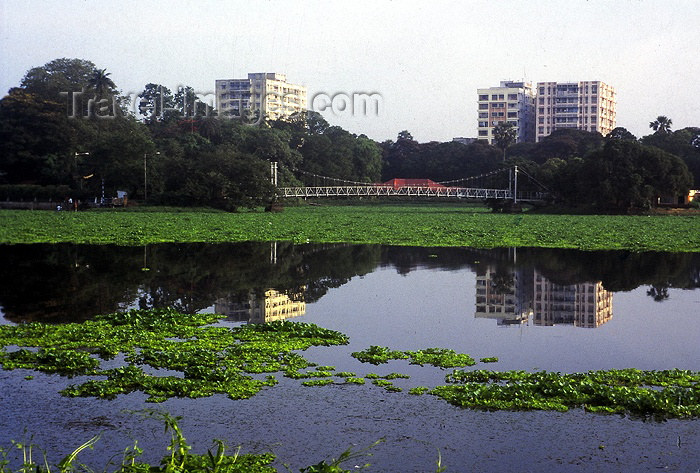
{"x": 399, "y": 157}
{"x": 36, "y": 141}
{"x": 662, "y": 125}
{"x": 620, "y": 133}
{"x": 684, "y": 143}
{"x": 157, "y": 103}
{"x": 565, "y": 144}
{"x": 627, "y": 174}
{"x": 101, "y": 83}
{"x": 59, "y": 76}
{"x": 504, "y": 134}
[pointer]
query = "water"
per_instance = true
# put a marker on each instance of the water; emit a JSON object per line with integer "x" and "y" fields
{"x": 534, "y": 309}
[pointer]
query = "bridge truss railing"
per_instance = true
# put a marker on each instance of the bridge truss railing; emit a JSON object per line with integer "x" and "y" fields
{"x": 453, "y": 192}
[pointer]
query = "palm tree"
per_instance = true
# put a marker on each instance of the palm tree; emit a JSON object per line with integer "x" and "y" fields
{"x": 101, "y": 82}
{"x": 103, "y": 85}
{"x": 661, "y": 125}
{"x": 504, "y": 134}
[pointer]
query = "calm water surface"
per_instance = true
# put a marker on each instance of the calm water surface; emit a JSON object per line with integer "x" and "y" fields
{"x": 534, "y": 309}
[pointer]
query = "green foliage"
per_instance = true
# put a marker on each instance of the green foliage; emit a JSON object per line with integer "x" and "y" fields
{"x": 179, "y": 460}
{"x": 396, "y": 225}
{"x": 211, "y": 359}
{"x": 406, "y": 158}
{"x": 354, "y": 380}
{"x": 318, "y": 382}
{"x": 490, "y": 359}
{"x": 626, "y": 174}
{"x": 387, "y": 385}
{"x": 378, "y": 355}
{"x": 441, "y": 357}
{"x": 630, "y": 391}
{"x": 334, "y": 466}
{"x": 418, "y": 390}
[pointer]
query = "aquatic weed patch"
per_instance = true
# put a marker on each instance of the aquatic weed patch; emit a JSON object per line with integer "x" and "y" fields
{"x": 439, "y": 357}
{"x": 408, "y": 225}
{"x": 658, "y": 394}
{"x": 207, "y": 359}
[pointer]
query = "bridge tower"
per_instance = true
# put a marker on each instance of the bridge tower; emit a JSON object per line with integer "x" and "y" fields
{"x": 273, "y": 173}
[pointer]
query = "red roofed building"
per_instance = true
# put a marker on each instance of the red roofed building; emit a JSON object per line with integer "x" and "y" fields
{"x": 399, "y": 183}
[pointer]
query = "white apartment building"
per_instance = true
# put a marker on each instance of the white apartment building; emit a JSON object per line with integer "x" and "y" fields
{"x": 585, "y": 105}
{"x": 266, "y": 94}
{"x": 511, "y": 102}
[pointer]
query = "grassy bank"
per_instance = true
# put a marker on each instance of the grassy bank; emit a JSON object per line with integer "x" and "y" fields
{"x": 419, "y": 225}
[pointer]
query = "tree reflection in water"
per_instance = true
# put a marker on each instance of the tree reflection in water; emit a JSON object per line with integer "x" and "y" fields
{"x": 64, "y": 282}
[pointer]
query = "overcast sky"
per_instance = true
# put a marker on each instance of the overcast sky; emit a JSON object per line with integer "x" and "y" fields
{"x": 425, "y": 59}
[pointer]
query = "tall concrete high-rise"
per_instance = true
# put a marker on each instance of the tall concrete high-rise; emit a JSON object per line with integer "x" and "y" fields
{"x": 265, "y": 93}
{"x": 511, "y": 102}
{"x": 585, "y": 105}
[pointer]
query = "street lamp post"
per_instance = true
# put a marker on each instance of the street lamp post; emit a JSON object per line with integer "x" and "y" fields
{"x": 145, "y": 176}
{"x": 75, "y": 163}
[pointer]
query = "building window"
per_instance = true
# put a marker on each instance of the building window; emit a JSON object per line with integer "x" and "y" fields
{"x": 540, "y": 130}
{"x": 483, "y": 115}
{"x": 500, "y": 96}
{"x": 494, "y": 97}
{"x": 483, "y": 124}
{"x": 512, "y": 96}
{"x": 483, "y": 97}
{"x": 483, "y": 106}
{"x": 512, "y": 114}
{"x": 541, "y": 90}
{"x": 483, "y": 132}
{"x": 541, "y": 111}
{"x": 541, "y": 120}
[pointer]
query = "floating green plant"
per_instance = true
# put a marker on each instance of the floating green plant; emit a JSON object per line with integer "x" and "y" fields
{"x": 490, "y": 359}
{"x": 396, "y": 376}
{"x": 210, "y": 359}
{"x": 318, "y": 382}
{"x": 418, "y": 390}
{"x": 354, "y": 380}
{"x": 449, "y": 225}
{"x": 387, "y": 385}
{"x": 440, "y": 357}
{"x": 629, "y": 391}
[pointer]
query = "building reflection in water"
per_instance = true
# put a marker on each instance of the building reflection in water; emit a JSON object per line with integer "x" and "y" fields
{"x": 258, "y": 307}
{"x": 504, "y": 295}
{"x": 516, "y": 296}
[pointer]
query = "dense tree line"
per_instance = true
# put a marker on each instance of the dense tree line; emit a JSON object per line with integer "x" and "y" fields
{"x": 581, "y": 169}
{"x": 67, "y": 131}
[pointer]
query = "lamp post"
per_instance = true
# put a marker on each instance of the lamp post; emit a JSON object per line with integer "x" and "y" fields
{"x": 145, "y": 176}
{"x": 75, "y": 163}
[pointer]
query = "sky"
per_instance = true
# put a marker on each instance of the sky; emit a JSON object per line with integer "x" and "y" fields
{"x": 425, "y": 60}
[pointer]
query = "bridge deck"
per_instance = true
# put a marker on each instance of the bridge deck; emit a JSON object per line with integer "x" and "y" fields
{"x": 417, "y": 191}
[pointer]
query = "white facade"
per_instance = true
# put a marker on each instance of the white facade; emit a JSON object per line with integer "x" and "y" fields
{"x": 585, "y": 105}
{"x": 265, "y": 93}
{"x": 511, "y": 102}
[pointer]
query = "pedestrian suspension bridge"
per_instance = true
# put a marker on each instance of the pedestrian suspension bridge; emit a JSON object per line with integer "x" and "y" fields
{"x": 501, "y": 184}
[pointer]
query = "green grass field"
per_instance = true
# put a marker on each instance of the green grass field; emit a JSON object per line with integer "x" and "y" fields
{"x": 417, "y": 225}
